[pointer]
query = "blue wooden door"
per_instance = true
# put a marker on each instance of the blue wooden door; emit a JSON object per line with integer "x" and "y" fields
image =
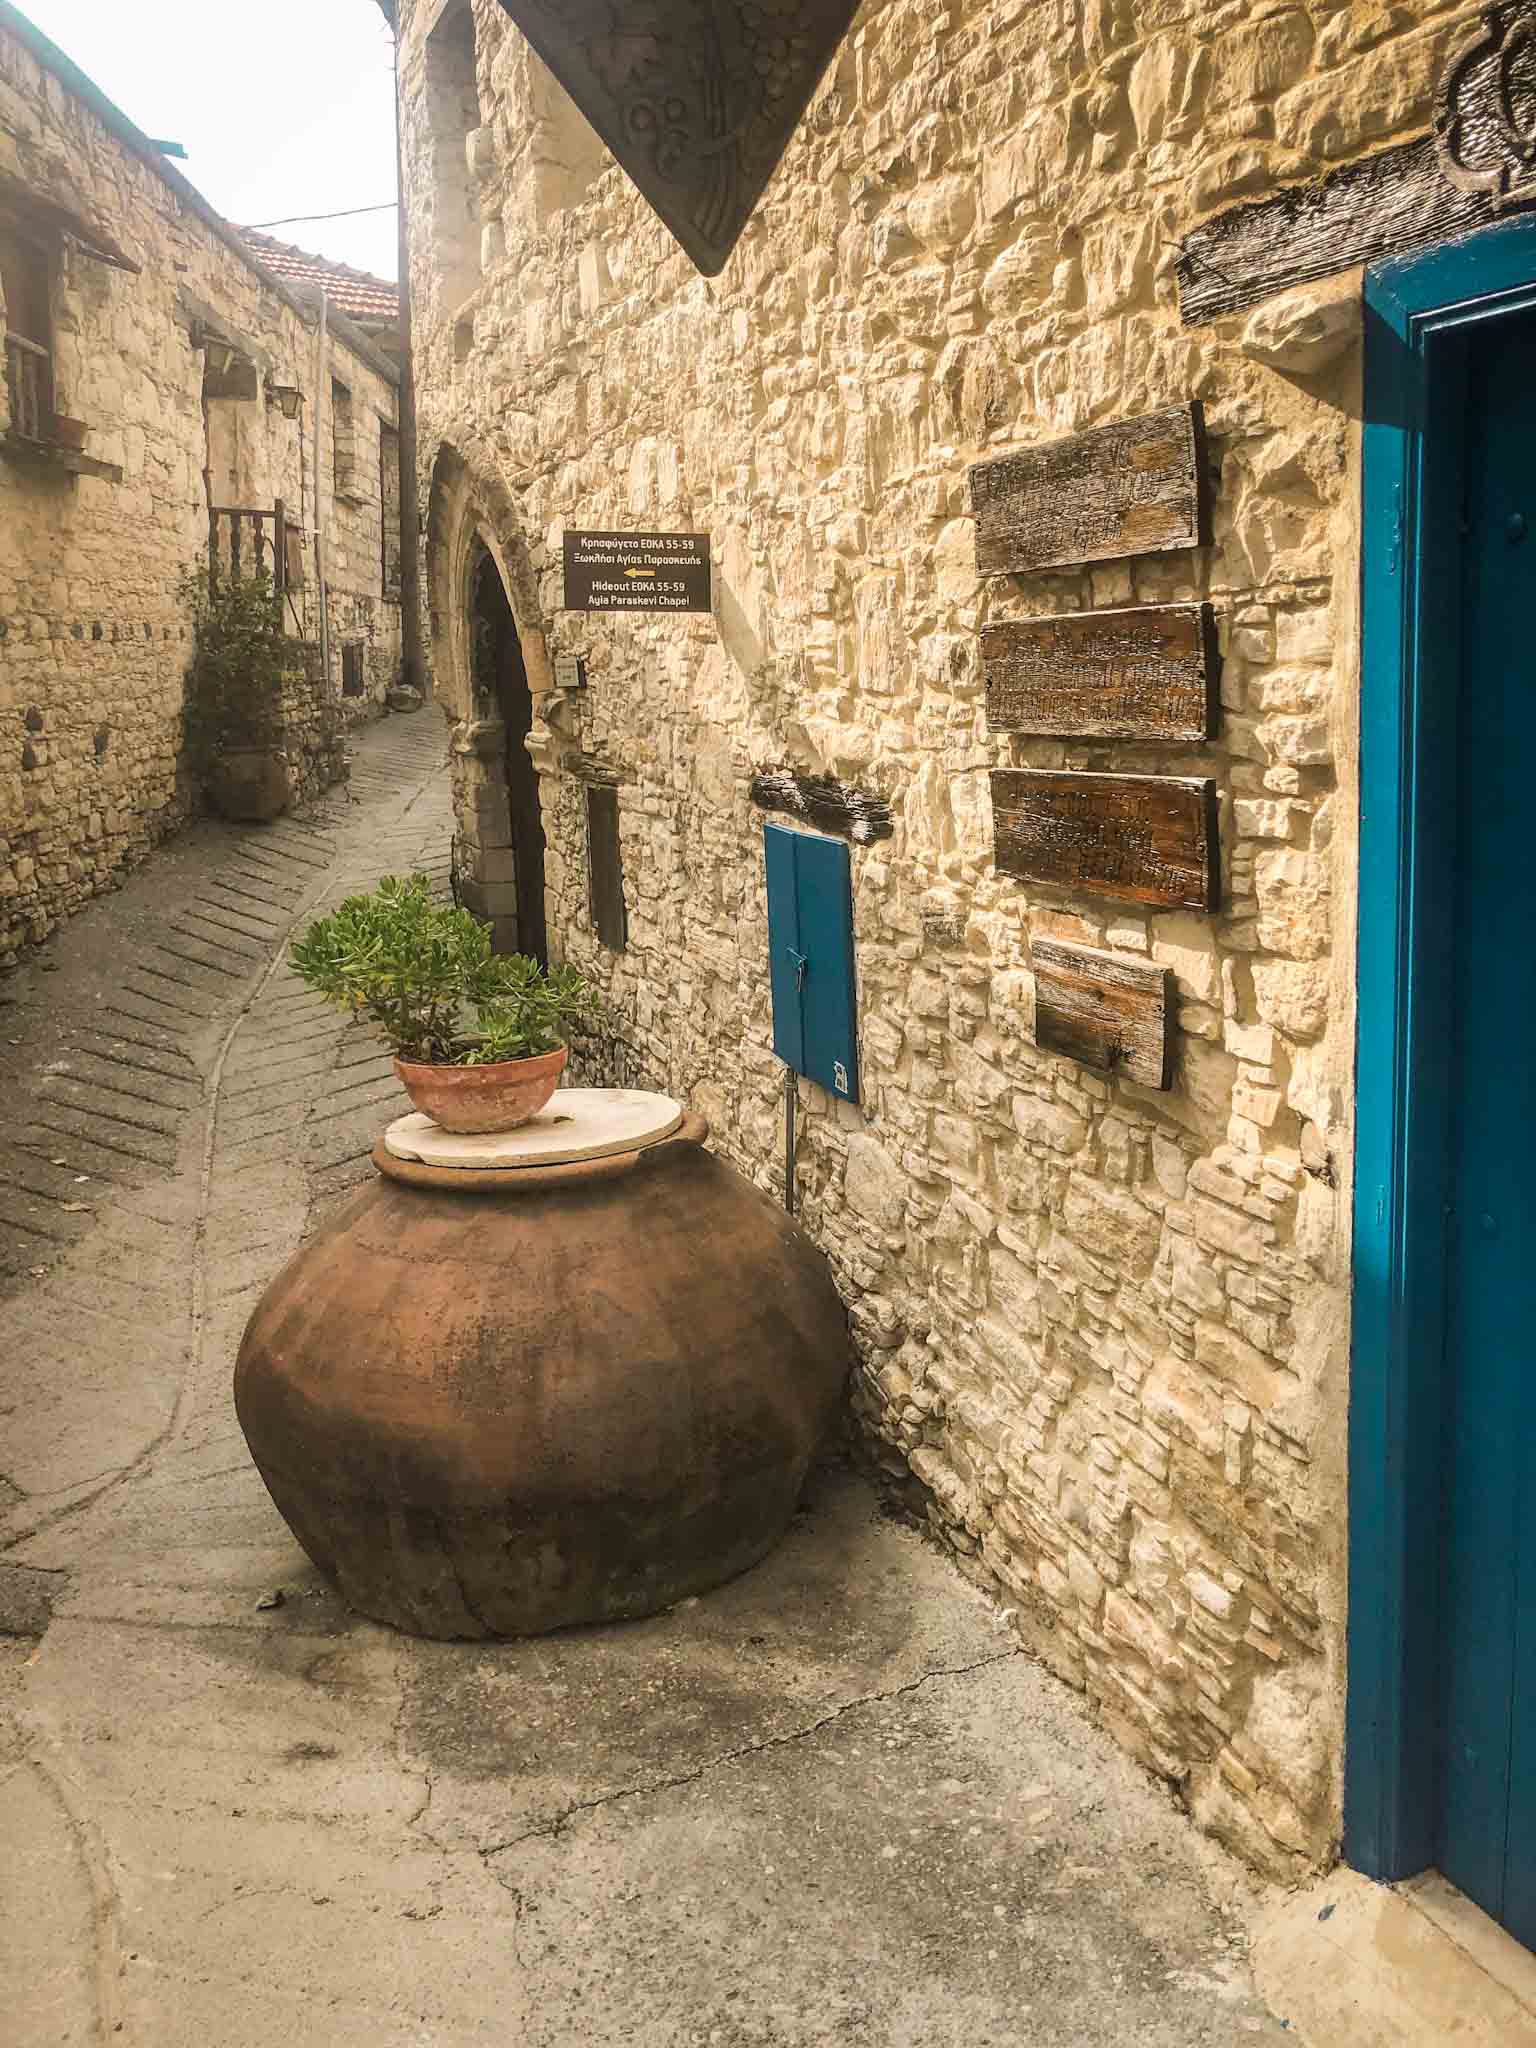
{"x": 1487, "y": 1792}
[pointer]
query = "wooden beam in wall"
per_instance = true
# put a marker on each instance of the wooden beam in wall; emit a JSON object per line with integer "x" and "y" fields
{"x": 1396, "y": 201}
{"x": 826, "y": 803}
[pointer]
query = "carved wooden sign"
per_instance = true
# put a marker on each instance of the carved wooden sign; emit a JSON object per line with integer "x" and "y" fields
{"x": 1485, "y": 115}
{"x": 1147, "y": 673}
{"x": 1146, "y": 838}
{"x": 697, "y": 99}
{"x": 1132, "y": 488}
{"x": 1103, "y": 1010}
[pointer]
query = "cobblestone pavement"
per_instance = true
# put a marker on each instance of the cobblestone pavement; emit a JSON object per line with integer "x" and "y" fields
{"x": 830, "y": 1803}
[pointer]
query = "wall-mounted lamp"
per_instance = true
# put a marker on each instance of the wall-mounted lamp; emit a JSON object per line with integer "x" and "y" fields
{"x": 288, "y": 396}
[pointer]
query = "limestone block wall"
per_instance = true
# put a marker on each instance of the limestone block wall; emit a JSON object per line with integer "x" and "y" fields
{"x": 93, "y": 629}
{"x": 1104, "y": 1327}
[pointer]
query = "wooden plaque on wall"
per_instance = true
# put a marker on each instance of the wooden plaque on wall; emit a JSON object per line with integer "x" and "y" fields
{"x": 1145, "y": 838}
{"x": 1132, "y": 488}
{"x": 1145, "y": 673}
{"x": 1108, "y": 1012}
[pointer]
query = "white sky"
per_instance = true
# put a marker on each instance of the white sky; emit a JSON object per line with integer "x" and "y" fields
{"x": 285, "y": 106}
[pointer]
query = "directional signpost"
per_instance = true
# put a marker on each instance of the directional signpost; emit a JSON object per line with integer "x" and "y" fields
{"x": 637, "y": 572}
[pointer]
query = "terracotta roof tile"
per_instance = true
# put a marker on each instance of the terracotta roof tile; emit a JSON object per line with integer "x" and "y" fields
{"x": 353, "y": 292}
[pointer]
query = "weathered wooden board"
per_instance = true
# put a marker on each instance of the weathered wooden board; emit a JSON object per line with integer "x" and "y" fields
{"x": 1145, "y": 838}
{"x": 1132, "y": 488}
{"x": 1103, "y": 1010}
{"x": 1386, "y": 205}
{"x": 1147, "y": 673}
{"x": 823, "y": 801}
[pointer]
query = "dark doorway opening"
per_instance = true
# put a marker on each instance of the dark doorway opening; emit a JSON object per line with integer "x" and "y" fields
{"x": 511, "y": 853}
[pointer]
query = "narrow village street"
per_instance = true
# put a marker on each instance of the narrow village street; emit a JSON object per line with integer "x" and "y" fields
{"x": 830, "y": 1802}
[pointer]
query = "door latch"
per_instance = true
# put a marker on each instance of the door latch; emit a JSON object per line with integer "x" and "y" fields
{"x": 800, "y": 964}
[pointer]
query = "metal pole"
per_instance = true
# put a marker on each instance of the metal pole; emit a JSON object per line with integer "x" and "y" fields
{"x": 413, "y": 668}
{"x": 322, "y": 397}
{"x": 791, "y": 1097}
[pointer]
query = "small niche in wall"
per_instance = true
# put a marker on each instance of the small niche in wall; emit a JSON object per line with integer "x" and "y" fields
{"x": 605, "y": 867}
{"x": 353, "y": 683}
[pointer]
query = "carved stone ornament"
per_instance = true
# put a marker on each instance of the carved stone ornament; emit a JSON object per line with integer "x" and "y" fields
{"x": 1485, "y": 120}
{"x": 697, "y": 99}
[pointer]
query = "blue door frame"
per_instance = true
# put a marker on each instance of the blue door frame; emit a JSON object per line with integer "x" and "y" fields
{"x": 1416, "y": 313}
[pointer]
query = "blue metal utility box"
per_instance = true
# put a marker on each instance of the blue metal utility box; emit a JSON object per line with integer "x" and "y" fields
{"x": 810, "y": 941}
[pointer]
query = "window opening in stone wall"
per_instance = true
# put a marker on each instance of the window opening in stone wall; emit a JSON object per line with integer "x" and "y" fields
{"x": 26, "y": 278}
{"x": 343, "y": 438}
{"x": 389, "y": 508}
{"x": 352, "y": 683}
{"x": 453, "y": 114}
{"x": 605, "y": 868}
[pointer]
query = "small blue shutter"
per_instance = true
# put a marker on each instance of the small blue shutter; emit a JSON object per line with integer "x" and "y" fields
{"x": 810, "y": 931}
{"x": 784, "y": 947}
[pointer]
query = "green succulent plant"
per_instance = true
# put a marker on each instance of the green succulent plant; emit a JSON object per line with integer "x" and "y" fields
{"x": 424, "y": 972}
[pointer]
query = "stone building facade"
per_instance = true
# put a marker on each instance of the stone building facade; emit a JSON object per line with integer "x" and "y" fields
{"x": 141, "y": 317}
{"x": 1104, "y": 1327}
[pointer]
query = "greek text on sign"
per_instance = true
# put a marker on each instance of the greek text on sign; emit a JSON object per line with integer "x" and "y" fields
{"x": 637, "y": 572}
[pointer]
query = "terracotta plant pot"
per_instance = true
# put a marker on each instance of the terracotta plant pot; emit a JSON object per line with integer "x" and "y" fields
{"x": 249, "y": 785}
{"x": 496, "y": 1097}
{"x": 67, "y": 433}
{"x": 555, "y": 1396}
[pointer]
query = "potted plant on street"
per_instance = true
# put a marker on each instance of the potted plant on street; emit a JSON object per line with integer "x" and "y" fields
{"x": 478, "y": 1037}
{"x": 242, "y": 664}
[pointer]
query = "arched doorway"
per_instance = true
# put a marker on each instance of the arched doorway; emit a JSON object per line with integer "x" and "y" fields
{"x": 501, "y": 691}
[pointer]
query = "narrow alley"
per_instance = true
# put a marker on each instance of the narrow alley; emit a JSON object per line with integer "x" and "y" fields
{"x": 832, "y": 1802}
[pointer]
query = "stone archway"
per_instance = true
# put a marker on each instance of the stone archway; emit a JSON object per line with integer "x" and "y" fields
{"x": 510, "y": 885}
{"x": 493, "y": 676}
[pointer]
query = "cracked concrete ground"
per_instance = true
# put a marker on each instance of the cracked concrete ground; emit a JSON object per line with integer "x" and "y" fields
{"x": 828, "y": 1803}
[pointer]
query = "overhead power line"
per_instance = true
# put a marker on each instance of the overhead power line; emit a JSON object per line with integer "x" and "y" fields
{"x": 294, "y": 220}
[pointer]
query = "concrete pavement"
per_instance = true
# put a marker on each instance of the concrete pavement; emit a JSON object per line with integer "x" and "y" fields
{"x": 830, "y": 1803}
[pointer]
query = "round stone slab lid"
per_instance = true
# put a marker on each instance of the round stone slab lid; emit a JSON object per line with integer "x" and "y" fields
{"x": 579, "y": 1123}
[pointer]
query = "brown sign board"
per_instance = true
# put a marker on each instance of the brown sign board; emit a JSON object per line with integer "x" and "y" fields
{"x": 1145, "y": 673}
{"x": 1144, "y": 838}
{"x": 637, "y": 572}
{"x": 1131, "y": 488}
{"x": 1102, "y": 1010}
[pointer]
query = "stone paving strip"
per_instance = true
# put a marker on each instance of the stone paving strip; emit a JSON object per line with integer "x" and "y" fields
{"x": 830, "y": 1803}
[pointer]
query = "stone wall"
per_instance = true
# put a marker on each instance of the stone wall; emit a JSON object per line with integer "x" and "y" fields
{"x": 93, "y": 626}
{"x": 1104, "y": 1327}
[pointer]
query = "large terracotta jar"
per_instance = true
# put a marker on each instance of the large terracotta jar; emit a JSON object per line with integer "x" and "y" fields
{"x": 494, "y": 1402}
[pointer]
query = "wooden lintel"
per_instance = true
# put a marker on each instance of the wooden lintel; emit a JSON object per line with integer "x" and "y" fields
{"x": 823, "y": 801}
{"x": 1386, "y": 205}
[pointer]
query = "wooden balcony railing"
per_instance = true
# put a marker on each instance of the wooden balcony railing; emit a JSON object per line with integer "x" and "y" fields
{"x": 29, "y": 384}
{"x": 244, "y": 540}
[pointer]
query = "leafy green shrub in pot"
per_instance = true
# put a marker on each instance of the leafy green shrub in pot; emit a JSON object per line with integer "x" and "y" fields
{"x": 478, "y": 1037}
